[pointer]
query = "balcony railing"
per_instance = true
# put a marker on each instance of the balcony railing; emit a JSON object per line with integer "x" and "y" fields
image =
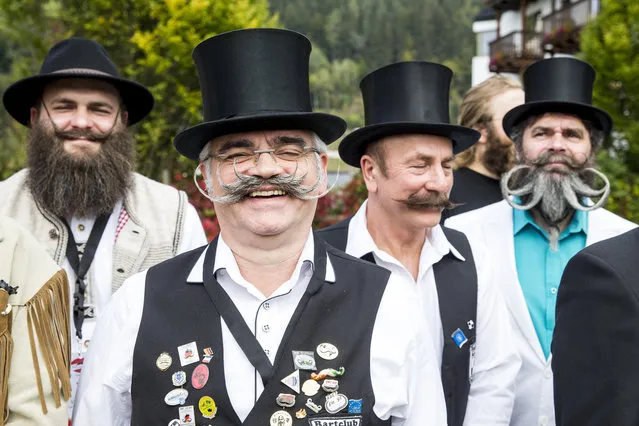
{"x": 515, "y": 51}
{"x": 503, "y": 4}
{"x": 562, "y": 28}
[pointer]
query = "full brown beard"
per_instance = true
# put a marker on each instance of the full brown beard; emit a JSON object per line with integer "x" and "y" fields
{"x": 499, "y": 157}
{"x": 81, "y": 186}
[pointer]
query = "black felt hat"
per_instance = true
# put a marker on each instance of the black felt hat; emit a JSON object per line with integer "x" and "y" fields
{"x": 405, "y": 98}
{"x": 559, "y": 85}
{"x": 76, "y": 58}
{"x": 255, "y": 79}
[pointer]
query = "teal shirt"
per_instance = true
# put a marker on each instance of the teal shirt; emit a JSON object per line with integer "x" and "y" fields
{"x": 539, "y": 268}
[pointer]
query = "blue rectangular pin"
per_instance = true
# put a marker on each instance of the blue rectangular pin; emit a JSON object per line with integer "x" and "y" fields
{"x": 459, "y": 338}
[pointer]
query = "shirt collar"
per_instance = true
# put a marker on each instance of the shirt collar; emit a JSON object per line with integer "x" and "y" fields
{"x": 360, "y": 241}
{"x": 578, "y": 223}
{"x": 224, "y": 259}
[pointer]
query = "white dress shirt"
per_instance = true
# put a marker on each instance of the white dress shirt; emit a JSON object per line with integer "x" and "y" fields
{"x": 99, "y": 276}
{"x": 404, "y": 372}
{"x": 496, "y": 362}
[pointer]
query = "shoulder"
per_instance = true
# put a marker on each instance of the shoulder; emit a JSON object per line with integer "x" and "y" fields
{"x": 180, "y": 262}
{"x": 492, "y": 212}
{"x": 618, "y": 252}
{"x": 14, "y": 188}
{"x": 608, "y": 220}
{"x": 158, "y": 189}
{"x": 345, "y": 261}
{"x": 336, "y": 235}
{"x": 480, "y": 224}
{"x": 15, "y": 179}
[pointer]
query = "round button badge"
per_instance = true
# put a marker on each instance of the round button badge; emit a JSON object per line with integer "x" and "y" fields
{"x": 281, "y": 418}
{"x": 327, "y": 351}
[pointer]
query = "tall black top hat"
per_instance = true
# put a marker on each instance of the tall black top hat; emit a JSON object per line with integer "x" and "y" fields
{"x": 404, "y": 98}
{"x": 559, "y": 85}
{"x": 76, "y": 58}
{"x": 255, "y": 79}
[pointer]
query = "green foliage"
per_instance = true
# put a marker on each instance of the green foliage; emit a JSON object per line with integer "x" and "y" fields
{"x": 150, "y": 41}
{"x": 373, "y": 33}
{"x": 610, "y": 43}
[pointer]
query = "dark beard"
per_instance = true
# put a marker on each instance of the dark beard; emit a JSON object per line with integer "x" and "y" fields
{"x": 80, "y": 186}
{"x": 498, "y": 157}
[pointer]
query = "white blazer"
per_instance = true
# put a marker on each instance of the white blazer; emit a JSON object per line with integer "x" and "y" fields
{"x": 493, "y": 225}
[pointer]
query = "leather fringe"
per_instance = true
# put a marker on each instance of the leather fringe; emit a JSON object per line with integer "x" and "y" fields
{"x": 48, "y": 317}
{"x": 6, "y": 348}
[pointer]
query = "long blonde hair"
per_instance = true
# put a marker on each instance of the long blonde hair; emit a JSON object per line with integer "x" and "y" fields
{"x": 475, "y": 109}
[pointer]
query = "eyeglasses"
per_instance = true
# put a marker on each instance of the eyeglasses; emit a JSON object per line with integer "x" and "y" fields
{"x": 283, "y": 156}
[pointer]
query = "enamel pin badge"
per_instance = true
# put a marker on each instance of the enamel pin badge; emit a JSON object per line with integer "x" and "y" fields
{"x": 188, "y": 354}
{"x": 459, "y": 338}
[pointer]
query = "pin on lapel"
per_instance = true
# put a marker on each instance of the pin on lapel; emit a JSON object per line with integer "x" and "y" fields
{"x": 459, "y": 338}
{"x": 293, "y": 381}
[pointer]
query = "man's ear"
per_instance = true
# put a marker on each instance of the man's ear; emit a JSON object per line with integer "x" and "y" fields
{"x": 484, "y": 133}
{"x": 370, "y": 172}
{"x": 33, "y": 116}
{"x": 125, "y": 118}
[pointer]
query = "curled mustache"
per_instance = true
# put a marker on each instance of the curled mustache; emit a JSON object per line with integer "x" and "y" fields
{"x": 432, "y": 200}
{"x": 81, "y": 133}
{"x": 242, "y": 188}
{"x": 555, "y": 194}
{"x": 550, "y": 157}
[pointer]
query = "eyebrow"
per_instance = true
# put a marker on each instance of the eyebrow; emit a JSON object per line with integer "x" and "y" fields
{"x": 429, "y": 158}
{"x": 288, "y": 140}
{"x": 69, "y": 101}
{"x": 578, "y": 131}
{"x": 235, "y": 143}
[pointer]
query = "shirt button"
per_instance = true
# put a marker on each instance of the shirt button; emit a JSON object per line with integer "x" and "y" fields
{"x": 267, "y": 306}
{"x": 53, "y": 234}
{"x": 267, "y": 352}
{"x": 266, "y": 328}
{"x": 553, "y": 290}
{"x": 80, "y": 227}
{"x": 543, "y": 420}
{"x": 548, "y": 373}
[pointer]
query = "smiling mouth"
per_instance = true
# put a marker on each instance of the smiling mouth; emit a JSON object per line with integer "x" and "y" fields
{"x": 274, "y": 193}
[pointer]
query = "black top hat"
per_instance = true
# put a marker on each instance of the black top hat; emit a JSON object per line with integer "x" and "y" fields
{"x": 559, "y": 85}
{"x": 404, "y": 98}
{"x": 76, "y": 58}
{"x": 255, "y": 79}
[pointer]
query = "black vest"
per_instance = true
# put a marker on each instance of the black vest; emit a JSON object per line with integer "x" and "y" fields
{"x": 457, "y": 293}
{"x": 176, "y": 313}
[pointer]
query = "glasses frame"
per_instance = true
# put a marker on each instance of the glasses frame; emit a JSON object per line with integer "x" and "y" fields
{"x": 256, "y": 154}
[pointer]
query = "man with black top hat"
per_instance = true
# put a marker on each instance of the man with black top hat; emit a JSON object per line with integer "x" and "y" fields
{"x": 596, "y": 342}
{"x": 79, "y": 195}
{"x": 406, "y": 153}
{"x": 267, "y": 324}
{"x": 551, "y": 210}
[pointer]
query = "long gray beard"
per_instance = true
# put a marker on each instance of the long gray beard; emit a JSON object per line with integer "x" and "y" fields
{"x": 85, "y": 186}
{"x": 554, "y": 197}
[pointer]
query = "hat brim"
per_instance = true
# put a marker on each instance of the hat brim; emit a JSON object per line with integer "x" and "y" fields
{"x": 191, "y": 141}
{"x": 600, "y": 119}
{"x": 353, "y": 146}
{"x": 22, "y": 95}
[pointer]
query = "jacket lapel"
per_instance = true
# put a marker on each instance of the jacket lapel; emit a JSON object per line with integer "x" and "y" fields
{"x": 130, "y": 249}
{"x": 501, "y": 237}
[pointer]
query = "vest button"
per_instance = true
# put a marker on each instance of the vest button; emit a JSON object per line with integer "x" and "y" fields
{"x": 53, "y": 234}
{"x": 120, "y": 270}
